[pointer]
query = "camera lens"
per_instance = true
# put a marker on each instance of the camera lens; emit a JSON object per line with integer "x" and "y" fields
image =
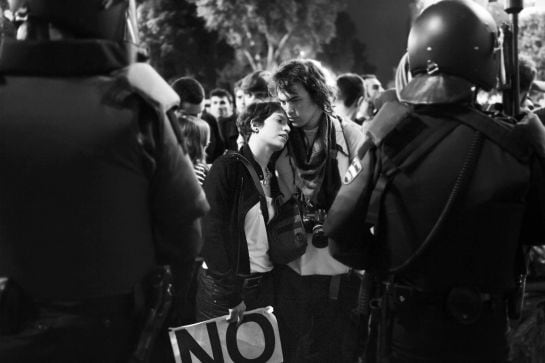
{"x": 309, "y": 224}
{"x": 319, "y": 240}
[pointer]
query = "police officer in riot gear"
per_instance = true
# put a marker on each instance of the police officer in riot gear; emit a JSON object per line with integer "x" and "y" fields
{"x": 451, "y": 193}
{"x": 95, "y": 189}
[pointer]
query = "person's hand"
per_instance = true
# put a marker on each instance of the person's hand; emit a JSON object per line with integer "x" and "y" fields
{"x": 235, "y": 314}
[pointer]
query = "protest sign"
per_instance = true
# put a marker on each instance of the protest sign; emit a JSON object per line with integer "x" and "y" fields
{"x": 255, "y": 339}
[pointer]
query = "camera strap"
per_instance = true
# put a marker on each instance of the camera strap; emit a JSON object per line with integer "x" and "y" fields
{"x": 255, "y": 179}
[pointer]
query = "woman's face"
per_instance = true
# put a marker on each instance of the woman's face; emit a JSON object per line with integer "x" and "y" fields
{"x": 274, "y": 131}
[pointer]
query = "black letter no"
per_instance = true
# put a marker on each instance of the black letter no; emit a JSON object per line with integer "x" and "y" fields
{"x": 188, "y": 345}
{"x": 268, "y": 333}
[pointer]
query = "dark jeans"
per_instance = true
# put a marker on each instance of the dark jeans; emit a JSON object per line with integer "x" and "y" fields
{"x": 315, "y": 325}
{"x": 60, "y": 336}
{"x": 212, "y": 292}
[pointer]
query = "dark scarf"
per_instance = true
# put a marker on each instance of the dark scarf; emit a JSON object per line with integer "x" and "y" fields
{"x": 315, "y": 166}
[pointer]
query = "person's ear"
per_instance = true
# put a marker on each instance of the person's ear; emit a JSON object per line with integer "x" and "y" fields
{"x": 254, "y": 127}
{"x": 359, "y": 101}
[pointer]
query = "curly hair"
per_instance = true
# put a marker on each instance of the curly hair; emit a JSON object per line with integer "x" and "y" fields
{"x": 256, "y": 113}
{"x": 317, "y": 81}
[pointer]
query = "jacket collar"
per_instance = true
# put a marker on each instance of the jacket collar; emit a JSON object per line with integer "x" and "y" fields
{"x": 64, "y": 58}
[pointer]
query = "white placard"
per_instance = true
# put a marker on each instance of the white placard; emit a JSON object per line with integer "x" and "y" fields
{"x": 255, "y": 339}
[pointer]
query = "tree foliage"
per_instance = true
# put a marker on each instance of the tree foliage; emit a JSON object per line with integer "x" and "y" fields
{"x": 495, "y": 8}
{"x": 179, "y": 44}
{"x": 532, "y": 40}
{"x": 345, "y": 52}
{"x": 270, "y": 31}
{"x": 6, "y": 27}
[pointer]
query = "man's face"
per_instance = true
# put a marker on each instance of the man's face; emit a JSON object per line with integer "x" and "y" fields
{"x": 374, "y": 87}
{"x": 249, "y": 98}
{"x": 299, "y": 107}
{"x": 220, "y": 107}
{"x": 239, "y": 100}
{"x": 192, "y": 108}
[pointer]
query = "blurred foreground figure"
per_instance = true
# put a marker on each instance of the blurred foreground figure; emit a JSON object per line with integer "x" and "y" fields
{"x": 452, "y": 195}
{"x": 95, "y": 190}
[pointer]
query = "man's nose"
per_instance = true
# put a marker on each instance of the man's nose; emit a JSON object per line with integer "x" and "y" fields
{"x": 288, "y": 109}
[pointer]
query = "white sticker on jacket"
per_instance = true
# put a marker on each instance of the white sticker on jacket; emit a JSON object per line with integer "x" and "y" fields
{"x": 353, "y": 170}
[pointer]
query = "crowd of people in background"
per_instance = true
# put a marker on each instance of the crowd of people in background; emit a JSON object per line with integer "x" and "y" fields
{"x": 357, "y": 98}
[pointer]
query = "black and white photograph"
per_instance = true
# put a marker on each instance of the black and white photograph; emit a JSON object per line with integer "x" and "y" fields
{"x": 298, "y": 181}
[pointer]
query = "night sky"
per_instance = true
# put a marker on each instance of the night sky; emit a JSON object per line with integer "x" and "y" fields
{"x": 383, "y": 25}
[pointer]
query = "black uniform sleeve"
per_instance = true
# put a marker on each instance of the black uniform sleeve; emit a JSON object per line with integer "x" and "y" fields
{"x": 177, "y": 202}
{"x": 219, "y": 226}
{"x": 351, "y": 241}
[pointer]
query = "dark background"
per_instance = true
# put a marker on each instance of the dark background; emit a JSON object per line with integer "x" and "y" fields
{"x": 383, "y": 26}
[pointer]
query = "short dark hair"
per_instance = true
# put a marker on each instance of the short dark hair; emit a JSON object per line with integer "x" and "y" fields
{"x": 527, "y": 71}
{"x": 221, "y": 92}
{"x": 256, "y": 83}
{"x": 189, "y": 90}
{"x": 350, "y": 88}
{"x": 311, "y": 75}
{"x": 256, "y": 113}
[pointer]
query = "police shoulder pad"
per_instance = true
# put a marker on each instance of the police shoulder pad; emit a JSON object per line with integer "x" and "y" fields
{"x": 143, "y": 80}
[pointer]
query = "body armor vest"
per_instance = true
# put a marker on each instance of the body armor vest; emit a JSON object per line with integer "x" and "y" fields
{"x": 477, "y": 244}
{"x": 74, "y": 189}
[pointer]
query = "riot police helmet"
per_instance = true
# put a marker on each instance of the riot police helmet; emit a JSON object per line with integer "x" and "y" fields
{"x": 113, "y": 20}
{"x": 453, "y": 45}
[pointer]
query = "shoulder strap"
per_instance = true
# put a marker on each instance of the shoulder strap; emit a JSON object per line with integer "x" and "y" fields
{"x": 255, "y": 179}
{"x": 498, "y": 133}
{"x": 388, "y": 117}
{"x": 458, "y": 191}
{"x": 408, "y": 156}
{"x": 143, "y": 80}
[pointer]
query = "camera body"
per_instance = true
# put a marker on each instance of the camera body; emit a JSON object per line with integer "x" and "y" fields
{"x": 313, "y": 221}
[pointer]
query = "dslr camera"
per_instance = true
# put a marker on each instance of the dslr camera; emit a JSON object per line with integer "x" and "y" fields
{"x": 313, "y": 221}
